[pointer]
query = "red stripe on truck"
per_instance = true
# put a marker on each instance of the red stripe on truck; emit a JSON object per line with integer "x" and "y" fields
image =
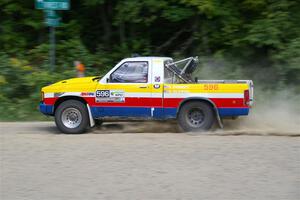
{"x": 157, "y": 102}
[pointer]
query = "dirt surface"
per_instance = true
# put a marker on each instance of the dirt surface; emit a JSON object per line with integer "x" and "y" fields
{"x": 116, "y": 161}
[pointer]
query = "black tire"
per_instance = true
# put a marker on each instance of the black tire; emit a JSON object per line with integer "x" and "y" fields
{"x": 79, "y": 109}
{"x": 196, "y": 116}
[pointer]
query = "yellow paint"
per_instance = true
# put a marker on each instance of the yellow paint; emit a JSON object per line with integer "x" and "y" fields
{"x": 134, "y": 88}
{"x": 85, "y": 84}
{"x": 205, "y": 88}
{"x": 88, "y": 85}
{"x": 158, "y": 61}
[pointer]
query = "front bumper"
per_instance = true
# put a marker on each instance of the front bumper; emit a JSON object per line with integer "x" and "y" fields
{"x": 46, "y": 109}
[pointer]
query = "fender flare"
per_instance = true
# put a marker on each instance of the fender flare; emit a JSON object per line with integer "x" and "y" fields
{"x": 220, "y": 123}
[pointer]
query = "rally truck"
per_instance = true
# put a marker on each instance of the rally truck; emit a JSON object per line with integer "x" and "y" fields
{"x": 146, "y": 88}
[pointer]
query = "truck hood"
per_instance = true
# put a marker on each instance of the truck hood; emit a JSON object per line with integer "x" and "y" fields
{"x": 73, "y": 82}
{"x": 79, "y": 80}
{"x": 82, "y": 80}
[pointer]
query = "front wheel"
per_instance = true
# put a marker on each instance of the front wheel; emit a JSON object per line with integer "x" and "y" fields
{"x": 196, "y": 116}
{"x": 72, "y": 117}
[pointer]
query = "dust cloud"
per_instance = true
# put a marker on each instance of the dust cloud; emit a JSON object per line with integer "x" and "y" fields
{"x": 276, "y": 109}
{"x": 274, "y": 113}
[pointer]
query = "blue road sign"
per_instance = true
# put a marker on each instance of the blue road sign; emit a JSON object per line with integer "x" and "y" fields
{"x": 52, "y": 4}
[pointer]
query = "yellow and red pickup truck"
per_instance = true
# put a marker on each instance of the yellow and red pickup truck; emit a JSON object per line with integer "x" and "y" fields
{"x": 143, "y": 88}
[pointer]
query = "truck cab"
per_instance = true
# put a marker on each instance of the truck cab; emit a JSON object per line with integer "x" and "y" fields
{"x": 132, "y": 89}
{"x": 147, "y": 88}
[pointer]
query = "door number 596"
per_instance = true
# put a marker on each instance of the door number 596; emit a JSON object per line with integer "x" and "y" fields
{"x": 102, "y": 93}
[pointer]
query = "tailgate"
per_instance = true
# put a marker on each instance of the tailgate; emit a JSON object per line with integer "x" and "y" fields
{"x": 251, "y": 92}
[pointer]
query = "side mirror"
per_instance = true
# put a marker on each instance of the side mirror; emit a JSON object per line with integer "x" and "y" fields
{"x": 107, "y": 80}
{"x": 196, "y": 79}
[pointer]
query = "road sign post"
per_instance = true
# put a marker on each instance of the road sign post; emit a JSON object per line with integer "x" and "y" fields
{"x": 50, "y": 14}
{"x": 52, "y": 20}
{"x": 52, "y": 47}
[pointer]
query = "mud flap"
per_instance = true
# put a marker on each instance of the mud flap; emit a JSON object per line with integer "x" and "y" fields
{"x": 92, "y": 121}
{"x": 220, "y": 122}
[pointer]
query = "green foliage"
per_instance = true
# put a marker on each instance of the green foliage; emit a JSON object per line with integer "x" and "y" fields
{"x": 248, "y": 39}
{"x": 20, "y": 85}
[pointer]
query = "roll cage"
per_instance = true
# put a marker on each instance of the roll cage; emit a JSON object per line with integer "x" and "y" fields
{"x": 183, "y": 68}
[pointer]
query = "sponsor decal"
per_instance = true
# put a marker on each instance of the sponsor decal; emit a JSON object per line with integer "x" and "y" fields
{"x": 156, "y": 86}
{"x": 116, "y": 93}
{"x": 110, "y": 96}
{"x": 157, "y": 79}
{"x": 58, "y": 94}
{"x": 176, "y": 91}
{"x": 87, "y": 94}
{"x": 180, "y": 87}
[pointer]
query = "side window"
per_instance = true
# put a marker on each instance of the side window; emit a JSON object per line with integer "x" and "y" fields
{"x": 168, "y": 75}
{"x": 171, "y": 78}
{"x": 131, "y": 72}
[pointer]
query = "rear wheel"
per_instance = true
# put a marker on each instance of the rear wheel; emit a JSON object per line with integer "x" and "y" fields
{"x": 72, "y": 117}
{"x": 196, "y": 116}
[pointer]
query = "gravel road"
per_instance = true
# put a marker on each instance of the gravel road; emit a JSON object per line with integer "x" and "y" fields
{"x": 118, "y": 162}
